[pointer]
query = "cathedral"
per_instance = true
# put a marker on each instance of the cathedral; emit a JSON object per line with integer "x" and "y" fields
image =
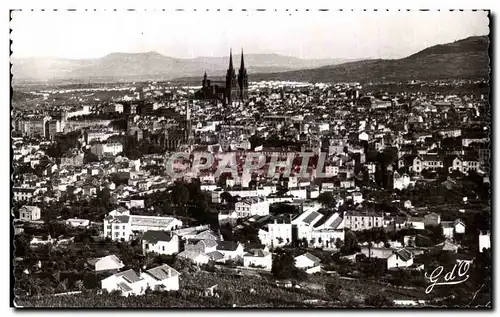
{"x": 235, "y": 88}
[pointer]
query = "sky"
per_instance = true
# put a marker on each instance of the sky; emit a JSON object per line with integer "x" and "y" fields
{"x": 188, "y": 34}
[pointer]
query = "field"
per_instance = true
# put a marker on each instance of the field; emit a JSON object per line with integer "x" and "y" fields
{"x": 235, "y": 290}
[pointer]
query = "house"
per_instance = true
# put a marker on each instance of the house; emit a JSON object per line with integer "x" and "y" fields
{"x": 278, "y": 233}
{"x": 78, "y": 223}
{"x": 196, "y": 257}
{"x": 162, "y": 278}
{"x": 452, "y": 227}
{"x": 400, "y": 181}
{"x": 258, "y": 258}
{"x": 110, "y": 263}
{"x": 446, "y": 245}
{"x": 39, "y": 240}
{"x": 400, "y": 258}
{"x": 416, "y": 223}
{"x": 230, "y": 249}
{"x": 355, "y": 220}
{"x": 160, "y": 242}
{"x": 484, "y": 240}
{"x": 252, "y": 206}
{"x": 308, "y": 262}
{"x": 27, "y": 213}
{"x": 432, "y": 219}
{"x": 306, "y": 221}
{"x": 127, "y": 283}
{"x": 412, "y": 162}
{"x": 120, "y": 225}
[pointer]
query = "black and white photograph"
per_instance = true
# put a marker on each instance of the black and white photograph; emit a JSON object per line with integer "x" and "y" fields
{"x": 251, "y": 158}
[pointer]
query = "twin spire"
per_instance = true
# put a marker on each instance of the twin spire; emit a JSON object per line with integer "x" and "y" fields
{"x": 242, "y": 66}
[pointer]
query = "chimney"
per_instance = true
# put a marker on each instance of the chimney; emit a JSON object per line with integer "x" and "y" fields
{"x": 169, "y": 272}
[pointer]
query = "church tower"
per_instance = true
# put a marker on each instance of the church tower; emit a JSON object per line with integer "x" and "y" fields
{"x": 243, "y": 79}
{"x": 231, "y": 82}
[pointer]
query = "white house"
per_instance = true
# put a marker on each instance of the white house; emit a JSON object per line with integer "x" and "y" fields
{"x": 401, "y": 181}
{"x": 452, "y": 227}
{"x": 28, "y": 213}
{"x": 357, "y": 197}
{"x": 400, "y": 258}
{"x": 160, "y": 242}
{"x": 127, "y": 282}
{"x": 278, "y": 234}
{"x": 308, "y": 262}
{"x": 230, "y": 249}
{"x": 252, "y": 206}
{"x": 195, "y": 256}
{"x": 484, "y": 240}
{"x": 120, "y": 224}
{"x": 162, "y": 278}
{"x": 305, "y": 222}
{"x": 363, "y": 136}
{"x": 74, "y": 222}
{"x": 258, "y": 257}
{"x": 416, "y": 223}
{"x": 107, "y": 263}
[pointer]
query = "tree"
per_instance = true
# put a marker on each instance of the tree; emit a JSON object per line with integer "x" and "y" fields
{"x": 350, "y": 244}
{"x": 326, "y": 198}
{"x": 283, "y": 265}
{"x": 79, "y": 285}
{"x": 180, "y": 194}
{"x": 166, "y": 208}
{"x": 338, "y": 243}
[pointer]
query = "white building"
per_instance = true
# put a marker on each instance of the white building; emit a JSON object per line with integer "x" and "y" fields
{"x": 160, "y": 242}
{"x": 28, "y": 213}
{"x": 400, "y": 258}
{"x": 194, "y": 256}
{"x": 484, "y": 240}
{"x": 258, "y": 258}
{"x": 112, "y": 148}
{"x": 107, "y": 263}
{"x": 74, "y": 222}
{"x": 277, "y": 234}
{"x": 231, "y": 250}
{"x": 305, "y": 222}
{"x": 401, "y": 181}
{"x": 308, "y": 262}
{"x": 127, "y": 283}
{"x": 252, "y": 206}
{"x": 452, "y": 227}
{"x": 162, "y": 278}
{"x": 123, "y": 225}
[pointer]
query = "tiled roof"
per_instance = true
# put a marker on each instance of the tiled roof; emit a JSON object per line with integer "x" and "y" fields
{"x": 124, "y": 287}
{"x": 258, "y": 253}
{"x": 130, "y": 276}
{"x": 404, "y": 254}
{"x": 154, "y": 236}
{"x": 227, "y": 245}
{"x": 311, "y": 257}
{"x": 215, "y": 255}
{"x": 162, "y": 272}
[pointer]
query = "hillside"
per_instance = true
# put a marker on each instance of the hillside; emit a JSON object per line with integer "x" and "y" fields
{"x": 151, "y": 66}
{"x": 467, "y": 58}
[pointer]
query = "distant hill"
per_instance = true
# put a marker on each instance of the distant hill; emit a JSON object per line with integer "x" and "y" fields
{"x": 152, "y": 66}
{"x": 467, "y": 58}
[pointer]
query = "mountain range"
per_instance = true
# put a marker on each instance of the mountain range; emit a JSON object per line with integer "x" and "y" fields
{"x": 467, "y": 58}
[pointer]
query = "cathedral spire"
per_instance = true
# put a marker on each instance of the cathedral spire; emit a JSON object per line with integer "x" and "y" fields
{"x": 242, "y": 66}
{"x": 230, "y": 58}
